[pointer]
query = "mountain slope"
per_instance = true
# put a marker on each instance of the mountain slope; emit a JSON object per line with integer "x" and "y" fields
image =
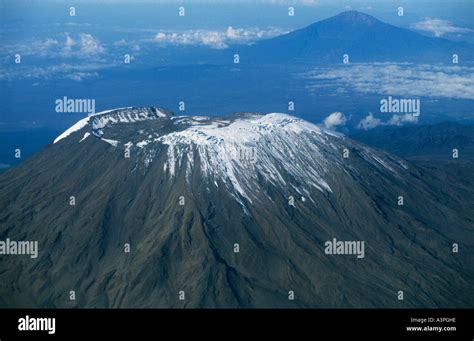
{"x": 194, "y": 187}
{"x": 361, "y": 36}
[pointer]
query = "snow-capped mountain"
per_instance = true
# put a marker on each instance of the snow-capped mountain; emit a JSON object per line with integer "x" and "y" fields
{"x": 229, "y": 212}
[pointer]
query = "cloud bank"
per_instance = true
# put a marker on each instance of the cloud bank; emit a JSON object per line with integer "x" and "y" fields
{"x": 439, "y": 27}
{"x": 370, "y": 121}
{"x": 66, "y": 45}
{"x": 397, "y": 79}
{"x": 216, "y": 39}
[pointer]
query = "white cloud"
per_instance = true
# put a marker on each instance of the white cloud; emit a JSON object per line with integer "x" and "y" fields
{"x": 68, "y": 44}
{"x": 90, "y": 45}
{"x": 121, "y": 42}
{"x": 84, "y": 45}
{"x": 439, "y": 27}
{"x": 370, "y": 121}
{"x": 397, "y": 79}
{"x": 133, "y": 45}
{"x": 335, "y": 119}
{"x": 50, "y": 42}
{"x": 76, "y": 72}
{"x": 35, "y": 47}
{"x": 80, "y": 76}
{"x": 398, "y": 120}
{"x": 216, "y": 39}
{"x": 74, "y": 24}
{"x": 42, "y": 47}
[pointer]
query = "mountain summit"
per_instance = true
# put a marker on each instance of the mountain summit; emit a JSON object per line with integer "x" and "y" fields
{"x": 349, "y": 22}
{"x": 137, "y": 207}
{"x": 355, "y": 18}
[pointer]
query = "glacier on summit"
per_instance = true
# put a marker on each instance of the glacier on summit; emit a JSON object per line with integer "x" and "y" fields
{"x": 237, "y": 151}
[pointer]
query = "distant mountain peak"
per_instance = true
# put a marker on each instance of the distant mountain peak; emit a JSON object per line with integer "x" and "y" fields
{"x": 362, "y": 36}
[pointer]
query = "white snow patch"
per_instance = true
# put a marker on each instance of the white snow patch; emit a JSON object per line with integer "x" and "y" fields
{"x": 78, "y": 126}
{"x": 143, "y": 143}
{"x": 111, "y": 142}
{"x": 86, "y": 135}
